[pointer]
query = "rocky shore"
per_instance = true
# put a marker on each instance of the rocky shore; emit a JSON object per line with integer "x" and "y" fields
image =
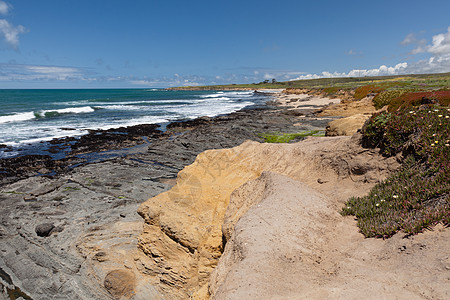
{"x": 213, "y": 217}
{"x": 64, "y": 228}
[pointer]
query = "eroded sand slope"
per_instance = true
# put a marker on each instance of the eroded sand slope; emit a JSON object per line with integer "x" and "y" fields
{"x": 292, "y": 244}
{"x": 182, "y": 234}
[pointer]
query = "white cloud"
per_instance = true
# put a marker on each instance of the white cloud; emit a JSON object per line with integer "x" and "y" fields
{"x": 419, "y": 44}
{"x": 4, "y": 8}
{"x": 382, "y": 70}
{"x": 354, "y": 52}
{"x": 55, "y": 73}
{"x": 16, "y": 72}
{"x": 7, "y": 30}
{"x": 441, "y": 44}
{"x": 11, "y": 33}
{"x": 438, "y": 62}
{"x": 175, "y": 80}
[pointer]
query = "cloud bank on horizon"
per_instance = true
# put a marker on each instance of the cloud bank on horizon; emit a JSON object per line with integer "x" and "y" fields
{"x": 438, "y": 62}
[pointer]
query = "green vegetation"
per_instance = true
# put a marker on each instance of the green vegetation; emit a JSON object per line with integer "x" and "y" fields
{"x": 417, "y": 195}
{"x": 385, "y": 97}
{"x": 412, "y": 82}
{"x": 417, "y": 98}
{"x": 287, "y": 137}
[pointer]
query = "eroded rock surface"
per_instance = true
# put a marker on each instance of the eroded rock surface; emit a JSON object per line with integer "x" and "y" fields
{"x": 182, "y": 234}
{"x": 346, "y": 126}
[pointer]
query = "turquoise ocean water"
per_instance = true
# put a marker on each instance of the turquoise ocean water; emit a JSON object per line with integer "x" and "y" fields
{"x": 31, "y": 116}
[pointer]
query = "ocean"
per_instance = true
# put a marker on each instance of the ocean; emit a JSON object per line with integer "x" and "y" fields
{"x": 29, "y": 117}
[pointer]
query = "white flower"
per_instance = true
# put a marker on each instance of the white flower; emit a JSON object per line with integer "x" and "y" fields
{"x": 378, "y": 204}
{"x": 395, "y": 196}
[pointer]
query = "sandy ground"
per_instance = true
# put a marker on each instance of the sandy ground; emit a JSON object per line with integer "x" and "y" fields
{"x": 293, "y": 244}
{"x": 304, "y": 101}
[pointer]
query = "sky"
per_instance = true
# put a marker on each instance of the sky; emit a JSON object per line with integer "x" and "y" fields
{"x": 139, "y": 44}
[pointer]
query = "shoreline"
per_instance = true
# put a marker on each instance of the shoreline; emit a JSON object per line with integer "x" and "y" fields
{"x": 102, "y": 195}
{"x": 62, "y": 154}
{"x": 78, "y": 234}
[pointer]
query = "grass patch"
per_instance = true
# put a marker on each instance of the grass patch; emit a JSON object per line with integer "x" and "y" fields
{"x": 418, "y": 195}
{"x": 413, "y": 81}
{"x": 288, "y": 137}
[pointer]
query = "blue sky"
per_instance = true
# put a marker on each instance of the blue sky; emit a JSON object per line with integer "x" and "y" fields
{"x": 95, "y": 44}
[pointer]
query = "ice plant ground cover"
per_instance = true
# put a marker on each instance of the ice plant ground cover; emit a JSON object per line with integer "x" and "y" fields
{"x": 288, "y": 137}
{"x": 417, "y": 195}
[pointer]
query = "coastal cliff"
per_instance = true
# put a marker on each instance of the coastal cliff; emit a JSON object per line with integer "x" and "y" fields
{"x": 183, "y": 235}
{"x": 272, "y": 207}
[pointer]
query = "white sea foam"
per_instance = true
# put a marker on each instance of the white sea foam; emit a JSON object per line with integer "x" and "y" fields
{"x": 206, "y": 109}
{"x": 123, "y": 113}
{"x": 137, "y": 121}
{"x": 218, "y": 94}
{"x": 124, "y": 107}
{"x": 238, "y": 94}
{"x": 17, "y": 117}
{"x": 20, "y": 117}
{"x": 148, "y": 102}
{"x": 69, "y": 110}
{"x": 55, "y": 135}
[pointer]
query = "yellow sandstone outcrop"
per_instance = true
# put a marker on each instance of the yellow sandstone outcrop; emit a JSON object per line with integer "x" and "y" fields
{"x": 346, "y": 126}
{"x": 350, "y": 107}
{"x": 182, "y": 235}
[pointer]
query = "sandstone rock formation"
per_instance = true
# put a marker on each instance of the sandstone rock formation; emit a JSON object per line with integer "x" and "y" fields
{"x": 183, "y": 236}
{"x": 350, "y": 107}
{"x": 346, "y": 126}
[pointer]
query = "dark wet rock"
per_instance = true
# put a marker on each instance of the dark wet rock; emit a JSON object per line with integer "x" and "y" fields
{"x": 44, "y": 230}
{"x": 189, "y": 123}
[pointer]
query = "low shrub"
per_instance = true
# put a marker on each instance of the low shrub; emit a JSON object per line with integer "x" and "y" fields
{"x": 364, "y": 90}
{"x": 385, "y": 97}
{"x": 441, "y": 97}
{"x": 329, "y": 91}
{"x": 417, "y": 195}
{"x": 374, "y": 129}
